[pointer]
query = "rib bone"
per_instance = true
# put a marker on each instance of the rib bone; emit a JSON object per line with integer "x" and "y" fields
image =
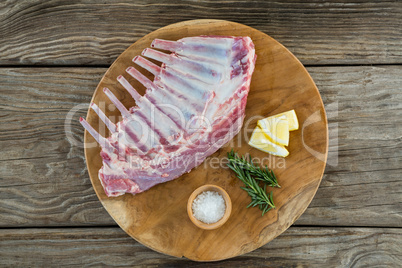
{"x": 193, "y": 106}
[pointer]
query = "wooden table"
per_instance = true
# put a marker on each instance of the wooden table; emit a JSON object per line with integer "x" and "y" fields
{"x": 52, "y": 55}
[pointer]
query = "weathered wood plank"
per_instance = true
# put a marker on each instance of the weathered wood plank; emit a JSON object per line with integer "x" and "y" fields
{"x": 90, "y": 32}
{"x": 43, "y": 179}
{"x": 364, "y": 187}
{"x": 41, "y": 172}
{"x": 297, "y": 247}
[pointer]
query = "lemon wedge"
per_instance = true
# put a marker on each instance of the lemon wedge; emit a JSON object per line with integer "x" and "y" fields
{"x": 291, "y": 117}
{"x": 260, "y": 141}
{"x": 276, "y": 128}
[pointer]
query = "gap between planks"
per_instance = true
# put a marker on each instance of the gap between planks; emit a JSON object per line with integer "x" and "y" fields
{"x": 108, "y": 65}
{"x": 117, "y": 227}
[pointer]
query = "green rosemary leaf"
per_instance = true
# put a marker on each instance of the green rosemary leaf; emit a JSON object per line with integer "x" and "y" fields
{"x": 250, "y": 175}
{"x": 262, "y": 174}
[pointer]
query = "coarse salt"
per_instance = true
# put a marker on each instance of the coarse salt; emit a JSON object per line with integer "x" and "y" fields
{"x": 209, "y": 207}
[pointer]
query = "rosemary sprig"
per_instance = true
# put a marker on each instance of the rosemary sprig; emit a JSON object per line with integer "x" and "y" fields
{"x": 262, "y": 174}
{"x": 246, "y": 171}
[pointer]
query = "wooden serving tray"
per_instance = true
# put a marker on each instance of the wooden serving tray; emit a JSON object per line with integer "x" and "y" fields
{"x": 158, "y": 218}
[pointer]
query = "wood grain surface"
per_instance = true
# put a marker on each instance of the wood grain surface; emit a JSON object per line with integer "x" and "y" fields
{"x": 158, "y": 217}
{"x": 91, "y": 32}
{"x": 297, "y": 247}
{"x": 44, "y": 181}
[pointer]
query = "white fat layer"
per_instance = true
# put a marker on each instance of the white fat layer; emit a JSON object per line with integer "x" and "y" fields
{"x": 226, "y": 91}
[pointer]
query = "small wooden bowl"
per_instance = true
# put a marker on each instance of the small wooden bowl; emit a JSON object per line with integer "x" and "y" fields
{"x": 228, "y": 203}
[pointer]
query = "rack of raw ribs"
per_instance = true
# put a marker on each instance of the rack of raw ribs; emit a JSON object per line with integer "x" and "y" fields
{"x": 194, "y": 105}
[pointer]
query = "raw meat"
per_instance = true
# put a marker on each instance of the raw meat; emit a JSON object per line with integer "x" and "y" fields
{"x": 194, "y": 105}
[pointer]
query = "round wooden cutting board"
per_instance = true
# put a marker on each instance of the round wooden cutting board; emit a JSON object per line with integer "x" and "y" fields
{"x": 158, "y": 217}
